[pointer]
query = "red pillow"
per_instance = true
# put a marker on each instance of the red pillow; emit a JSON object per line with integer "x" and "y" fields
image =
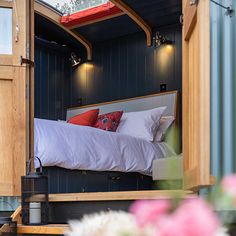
{"x": 87, "y": 118}
{"x": 109, "y": 121}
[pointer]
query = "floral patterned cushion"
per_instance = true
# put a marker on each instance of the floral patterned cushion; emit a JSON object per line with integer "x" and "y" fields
{"x": 109, "y": 121}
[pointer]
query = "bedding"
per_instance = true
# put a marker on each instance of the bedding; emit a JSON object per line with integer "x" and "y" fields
{"x": 86, "y": 148}
{"x": 141, "y": 124}
{"x": 88, "y": 118}
{"x": 165, "y": 123}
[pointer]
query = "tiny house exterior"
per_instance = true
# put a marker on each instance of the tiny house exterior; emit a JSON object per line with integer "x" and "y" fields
{"x": 207, "y": 85}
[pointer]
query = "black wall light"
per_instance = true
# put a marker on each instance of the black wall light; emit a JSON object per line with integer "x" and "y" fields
{"x": 75, "y": 60}
{"x": 160, "y": 40}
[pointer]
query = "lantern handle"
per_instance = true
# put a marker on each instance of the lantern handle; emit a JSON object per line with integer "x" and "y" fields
{"x": 29, "y": 164}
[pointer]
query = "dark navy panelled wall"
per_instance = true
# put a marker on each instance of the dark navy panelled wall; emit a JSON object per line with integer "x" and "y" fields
{"x": 52, "y": 72}
{"x": 125, "y": 67}
{"x": 121, "y": 68}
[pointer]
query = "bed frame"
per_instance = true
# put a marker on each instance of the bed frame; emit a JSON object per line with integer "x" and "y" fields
{"x": 69, "y": 181}
{"x": 168, "y": 99}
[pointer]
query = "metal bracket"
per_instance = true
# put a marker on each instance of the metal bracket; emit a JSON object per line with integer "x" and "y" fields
{"x": 181, "y": 19}
{"x": 26, "y": 61}
{"x": 229, "y": 12}
{"x": 193, "y": 2}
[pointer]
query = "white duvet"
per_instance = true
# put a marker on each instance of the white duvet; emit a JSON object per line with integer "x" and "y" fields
{"x": 86, "y": 148}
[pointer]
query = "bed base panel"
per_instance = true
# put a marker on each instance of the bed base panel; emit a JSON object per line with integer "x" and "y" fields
{"x": 77, "y": 181}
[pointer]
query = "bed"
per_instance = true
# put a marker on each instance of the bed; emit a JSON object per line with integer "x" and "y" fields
{"x": 85, "y": 159}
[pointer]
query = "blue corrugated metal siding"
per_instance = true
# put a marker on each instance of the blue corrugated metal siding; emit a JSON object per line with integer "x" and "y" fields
{"x": 8, "y": 203}
{"x": 223, "y": 85}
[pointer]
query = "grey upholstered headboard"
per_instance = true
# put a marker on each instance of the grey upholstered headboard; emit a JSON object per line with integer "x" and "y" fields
{"x": 168, "y": 99}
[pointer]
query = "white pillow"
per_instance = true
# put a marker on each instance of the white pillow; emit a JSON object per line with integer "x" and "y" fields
{"x": 165, "y": 123}
{"x": 141, "y": 124}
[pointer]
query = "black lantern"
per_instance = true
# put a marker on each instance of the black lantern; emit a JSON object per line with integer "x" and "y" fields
{"x": 8, "y": 227}
{"x": 34, "y": 193}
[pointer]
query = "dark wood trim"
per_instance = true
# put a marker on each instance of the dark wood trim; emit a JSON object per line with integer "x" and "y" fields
{"x": 31, "y": 80}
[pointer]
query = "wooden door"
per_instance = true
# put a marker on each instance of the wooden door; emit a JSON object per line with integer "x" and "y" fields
{"x": 196, "y": 93}
{"x": 16, "y": 42}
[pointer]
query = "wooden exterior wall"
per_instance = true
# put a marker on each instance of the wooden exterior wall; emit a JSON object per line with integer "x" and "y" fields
{"x": 14, "y": 100}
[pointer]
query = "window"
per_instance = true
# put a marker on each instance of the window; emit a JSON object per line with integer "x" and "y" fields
{"x": 72, "y": 6}
{"x": 5, "y": 31}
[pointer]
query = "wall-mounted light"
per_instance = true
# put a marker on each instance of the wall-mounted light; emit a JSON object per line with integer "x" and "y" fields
{"x": 160, "y": 40}
{"x": 75, "y": 60}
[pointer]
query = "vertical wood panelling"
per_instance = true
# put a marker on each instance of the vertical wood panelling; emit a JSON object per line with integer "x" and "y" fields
{"x": 52, "y": 73}
{"x": 126, "y": 67}
{"x": 121, "y": 68}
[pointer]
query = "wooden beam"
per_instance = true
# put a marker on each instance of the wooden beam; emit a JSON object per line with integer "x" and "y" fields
{"x": 97, "y": 20}
{"x": 118, "y": 196}
{"x": 190, "y": 20}
{"x": 5, "y": 3}
{"x": 55, "y": 17}
{"x": 16, "y": 216}
{"x": 136, "y": 18}
{"x": 52, "y": 229}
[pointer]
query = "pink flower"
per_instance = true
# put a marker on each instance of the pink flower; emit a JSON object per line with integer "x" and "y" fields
{"x": 147, "y": 212}
{"x": 168, "y": 226}
{"x": 193, "y": 218}
{"x": 229, "y": 185}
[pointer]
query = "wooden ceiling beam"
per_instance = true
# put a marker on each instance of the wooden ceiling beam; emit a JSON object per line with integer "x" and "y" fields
{"x": 55, "y": 17}
{"x": 136, "y": 18}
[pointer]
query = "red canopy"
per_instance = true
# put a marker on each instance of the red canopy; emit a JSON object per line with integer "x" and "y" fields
{"x": 95, "y": 13}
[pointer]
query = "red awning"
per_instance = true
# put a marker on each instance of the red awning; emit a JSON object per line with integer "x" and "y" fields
{"x": 92, "y": 14}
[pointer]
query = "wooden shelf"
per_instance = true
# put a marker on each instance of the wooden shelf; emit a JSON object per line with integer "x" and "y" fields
{"x": 118, "y": 196}
{"x": 51, "y": 229}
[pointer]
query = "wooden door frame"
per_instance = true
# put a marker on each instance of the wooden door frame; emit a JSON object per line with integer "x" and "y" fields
{"x": 205, "y": 99}
{"x": 196, "y": 95}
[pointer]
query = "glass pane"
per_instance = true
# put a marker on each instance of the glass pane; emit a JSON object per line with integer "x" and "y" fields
{"x": 68, "y": 7}
{"x": 5, "y": 31}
